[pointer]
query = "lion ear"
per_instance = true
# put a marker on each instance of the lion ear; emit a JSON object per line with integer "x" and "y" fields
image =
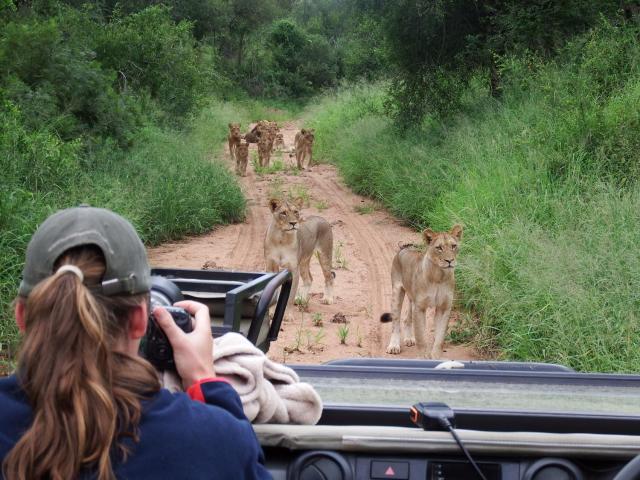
{"x": 274, "y": 203}
{"x": 428, "y": 235}
{"x": 456, "y": 231}
{"x": 299, "y": 202}
{"x": 303, "y": 131}
{"x": 230, "y": 125}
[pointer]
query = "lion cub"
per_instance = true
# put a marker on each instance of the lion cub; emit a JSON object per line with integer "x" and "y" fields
{"x": 290, "y": 243}
{"x": 428, "y": 280}
{"x": 303, "y": 144}
{"x": 242, "y": 158}
{"x": 233, "y": 139}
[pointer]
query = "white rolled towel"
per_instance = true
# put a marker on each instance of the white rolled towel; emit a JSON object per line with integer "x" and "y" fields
{"x": 269, "y": 391}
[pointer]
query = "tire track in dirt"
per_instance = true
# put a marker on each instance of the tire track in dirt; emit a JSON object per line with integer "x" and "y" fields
{"x": 367, "y": 239}
{"x": 244, "y": 252}
{"x": 372, "y": 249}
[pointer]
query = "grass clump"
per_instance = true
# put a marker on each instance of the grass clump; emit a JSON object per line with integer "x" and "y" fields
{"x": 364, "y": 209}
{"x": 321, "y": 205}
{"x": 317, "y": 319}
{"x": 546, "y": 184}
{"x": 339, "y": 259}
{"x": 343, "y": 333}
{"x": 274, "y": 167}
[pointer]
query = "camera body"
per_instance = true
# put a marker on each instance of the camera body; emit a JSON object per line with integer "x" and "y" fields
{"x": 155, "y": 346}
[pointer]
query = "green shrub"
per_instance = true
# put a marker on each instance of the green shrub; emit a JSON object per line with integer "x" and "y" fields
{"x": 151, "y": 53}
{"x": 303, "y": 63}
{"x": 58, "y": 83}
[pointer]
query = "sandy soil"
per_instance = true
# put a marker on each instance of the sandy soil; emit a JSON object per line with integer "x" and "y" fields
{"x": 365, "y": 240}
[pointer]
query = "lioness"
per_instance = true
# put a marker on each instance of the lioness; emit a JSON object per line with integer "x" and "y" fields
{"x": 264, "y": 150}
{"x": 242, "y": 158}
{"x": 272, "y": 130}
{"x": 233, "y": 139}
{"x": 303, "y": 143}
{"x": 290, "y": 243}
{"x": 428, "y": 279}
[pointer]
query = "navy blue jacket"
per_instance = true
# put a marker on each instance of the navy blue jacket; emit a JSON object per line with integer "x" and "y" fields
{"x": 180, "y": 438}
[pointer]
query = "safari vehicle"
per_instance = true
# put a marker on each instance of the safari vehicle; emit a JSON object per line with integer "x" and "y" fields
{"x": 517, "y": 420}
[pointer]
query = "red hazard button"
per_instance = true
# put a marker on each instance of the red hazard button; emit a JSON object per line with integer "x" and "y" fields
{"x": 388, "y": 469}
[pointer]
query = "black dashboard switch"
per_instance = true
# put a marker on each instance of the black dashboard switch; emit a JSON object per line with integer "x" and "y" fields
{"x": 381, "y": 469}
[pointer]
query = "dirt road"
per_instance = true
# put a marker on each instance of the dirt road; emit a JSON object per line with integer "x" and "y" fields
{"x": 365, "y": 240}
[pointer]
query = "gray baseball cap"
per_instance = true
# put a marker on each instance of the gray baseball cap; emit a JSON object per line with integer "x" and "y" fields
{"x": 127, "y": 269}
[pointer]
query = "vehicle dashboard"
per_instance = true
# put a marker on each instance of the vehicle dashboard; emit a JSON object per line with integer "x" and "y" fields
{"x": 373, "y": 438}
{"x": 328, "y": 465}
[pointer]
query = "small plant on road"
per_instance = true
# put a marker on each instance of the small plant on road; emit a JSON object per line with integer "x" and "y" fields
{"x": 321, "y": 205}
{"x": 338, "y": 257}
{"x": 302, "y": 303}
{"x": 276, "y": 166}
{"x": 300, "y": 191}
{"x": 314, "y": 339}
{"x": 297, "y": 341}
{"x": 317, "y": 319}
{"x": 276, "y": 189}
{"x": 365, "y": 209}
{"x": 343, "y": 333}
{"x": 291, "y": 170}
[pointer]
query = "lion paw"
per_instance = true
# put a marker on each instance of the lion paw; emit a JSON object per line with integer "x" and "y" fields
{"x": 393, "y": 349}
{"x": 410, "y": 341}
{"x": 327, "y": 300}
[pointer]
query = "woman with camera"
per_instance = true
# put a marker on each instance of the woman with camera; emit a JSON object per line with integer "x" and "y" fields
{"x": 82, "y": 403}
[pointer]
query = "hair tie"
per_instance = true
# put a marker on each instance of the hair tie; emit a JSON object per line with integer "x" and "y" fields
{"x": 71, "y": 268}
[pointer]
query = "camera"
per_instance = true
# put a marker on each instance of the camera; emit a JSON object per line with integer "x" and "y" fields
{"x": 155, "y": 346}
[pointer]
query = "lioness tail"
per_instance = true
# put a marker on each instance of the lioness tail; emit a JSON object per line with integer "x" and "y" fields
{"x": 385, "y": 317}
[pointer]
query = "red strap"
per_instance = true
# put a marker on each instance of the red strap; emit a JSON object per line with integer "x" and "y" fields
{"x": 195, "y": 391}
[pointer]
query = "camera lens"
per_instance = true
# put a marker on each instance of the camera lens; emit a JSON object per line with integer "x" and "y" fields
{"x": 155, "y": 345}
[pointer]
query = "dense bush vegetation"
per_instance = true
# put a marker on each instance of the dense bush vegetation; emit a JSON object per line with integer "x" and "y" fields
{"x": 546, "y": 183}
{"x": 167, "y": 184}
{"x": 115, "y": 114}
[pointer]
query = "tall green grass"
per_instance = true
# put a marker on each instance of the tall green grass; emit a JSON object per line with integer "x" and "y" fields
{"x": 545, "y": 182}
{"x": 169, "y": 184}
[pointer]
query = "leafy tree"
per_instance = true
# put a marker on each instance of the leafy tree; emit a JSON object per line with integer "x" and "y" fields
{"x": 247, "y": 16}
{"x": 439, "y": 44}
{"x": 151, "y": 53}
{"x": 363, "y": 52}
{"x": 303, "y": 63}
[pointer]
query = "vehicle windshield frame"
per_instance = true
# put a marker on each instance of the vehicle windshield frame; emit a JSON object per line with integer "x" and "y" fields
{"x": 366, "y": 375}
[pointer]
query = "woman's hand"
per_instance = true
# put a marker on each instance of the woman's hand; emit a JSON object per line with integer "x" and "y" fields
{"x": 192, "y": 352}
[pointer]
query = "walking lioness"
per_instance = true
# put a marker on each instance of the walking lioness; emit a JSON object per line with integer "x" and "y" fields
{"x": 304, "y": 144}
{"x": 290, "y": 243}
{"x": 233, "y": 139}
{"x": 428, "y": 280}
{"x": 242, "y": 158}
